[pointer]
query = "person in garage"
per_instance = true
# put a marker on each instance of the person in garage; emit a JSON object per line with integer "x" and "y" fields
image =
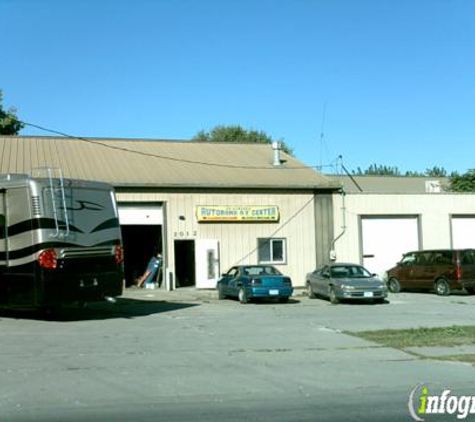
{"x": 151, "y": 272}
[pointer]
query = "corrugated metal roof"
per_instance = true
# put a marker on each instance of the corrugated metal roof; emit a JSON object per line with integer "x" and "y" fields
{"x": 392, "y": 184}
{"x": 160, "y": 163}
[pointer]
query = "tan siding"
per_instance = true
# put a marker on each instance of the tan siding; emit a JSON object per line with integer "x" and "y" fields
{"x": 40, "y": 156}
{"x": 434, "y": 210}
{"x": 161, "y": 165}
{"x": 325, "y": 228}
{"x": 238, "y": 241}
{"x": 34, "y": 154}
{"x": 6, "y": 159}
{"x": 388, "y": 184}
{"x": 20, "y": 157}
{"x": 56, "y": 155}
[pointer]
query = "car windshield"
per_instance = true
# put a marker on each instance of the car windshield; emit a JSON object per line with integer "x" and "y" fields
{"x": 408, "y": 259}
{"x": 350, "y": 271}
{"x": 260, "y": 270}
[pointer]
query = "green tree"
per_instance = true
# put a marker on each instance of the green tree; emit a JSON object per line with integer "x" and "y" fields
{"x": 411, "y": 173}
{"x": 462, "y": 182}
{"x": 378, "y": 170}
{"x": 436, "y": 172}
{"x": 383, "y": 170}
{"x": 9, "y": 123}
{"x": 236, "y": 133}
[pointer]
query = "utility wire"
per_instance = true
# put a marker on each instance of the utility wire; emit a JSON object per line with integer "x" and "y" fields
{"x": 322, "y": 132}
{"x": 147, "y": 154}
{"x": 294, "y": 215}
{"x": 281, "y": 227}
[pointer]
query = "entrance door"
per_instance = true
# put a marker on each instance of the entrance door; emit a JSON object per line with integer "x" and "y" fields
{"x": 185, "y": 273}
{"x": 207, "y": 263}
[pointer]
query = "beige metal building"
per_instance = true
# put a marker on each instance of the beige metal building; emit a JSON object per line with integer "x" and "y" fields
{"x": 205, "y": 206}
{"x": 380, "y": 218}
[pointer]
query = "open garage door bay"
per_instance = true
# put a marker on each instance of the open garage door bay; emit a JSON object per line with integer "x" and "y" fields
{"x": 141, "y": 226}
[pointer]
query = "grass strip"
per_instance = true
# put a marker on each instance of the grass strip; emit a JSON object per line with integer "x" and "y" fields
{"x": 469, "y": 358}
{"x": 454, "y": 335}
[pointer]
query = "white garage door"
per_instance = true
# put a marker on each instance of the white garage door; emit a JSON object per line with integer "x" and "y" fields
{"x": 140, "y": 215}
{"x": 463, "y": 232}
{"x": 386, "y": 239}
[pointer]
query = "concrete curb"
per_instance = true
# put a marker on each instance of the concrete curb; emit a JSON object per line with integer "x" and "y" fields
{"x": 185, "y": 294}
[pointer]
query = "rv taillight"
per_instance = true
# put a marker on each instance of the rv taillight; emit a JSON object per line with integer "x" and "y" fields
{"x": 48, "y": 259}
{"x": 119, "y": 254}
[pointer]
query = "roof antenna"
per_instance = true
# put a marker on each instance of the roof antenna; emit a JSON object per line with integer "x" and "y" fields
{"x": 322, "y": 135}
{"x": 349, "y": 174}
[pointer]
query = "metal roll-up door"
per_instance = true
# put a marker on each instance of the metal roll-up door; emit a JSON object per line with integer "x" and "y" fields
{"x": 463, "y": 232}
{"x": 385, "y": 239}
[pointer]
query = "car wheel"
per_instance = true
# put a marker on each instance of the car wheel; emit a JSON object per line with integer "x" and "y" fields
{"x": 221, "y": 294}
{"x": 332, "y": 296}
{"x": 284, "y": 299}
{"x": 394, "y": 286}
{"x": 442, "y": 287}
{"x": 379, "y": 301}
{"x": 242, "y": 295}
{"x": 470, "y": 290}
{"x": 310, "y": 293}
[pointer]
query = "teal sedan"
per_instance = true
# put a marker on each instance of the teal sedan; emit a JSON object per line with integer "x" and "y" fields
{"x": 247, "y": 282}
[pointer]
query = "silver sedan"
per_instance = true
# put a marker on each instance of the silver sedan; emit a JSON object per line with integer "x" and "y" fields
{"x": 345, "y": 281}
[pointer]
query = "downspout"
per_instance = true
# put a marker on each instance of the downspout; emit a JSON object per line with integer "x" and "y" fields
{"x": 343, "y": 227}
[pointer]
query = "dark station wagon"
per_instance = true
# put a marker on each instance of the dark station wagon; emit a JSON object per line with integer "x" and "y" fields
{"x": 441, "y": 270}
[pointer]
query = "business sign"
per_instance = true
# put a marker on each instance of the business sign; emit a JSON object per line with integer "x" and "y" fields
{"x": 237, "y": 213}
{"x": 423, "y": 405}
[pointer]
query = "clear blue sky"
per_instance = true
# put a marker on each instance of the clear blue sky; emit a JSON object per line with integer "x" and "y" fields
{"x": 389, "y": 81}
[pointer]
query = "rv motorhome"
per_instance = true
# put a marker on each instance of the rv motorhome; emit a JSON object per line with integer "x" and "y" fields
{"x": 60, "y": 240}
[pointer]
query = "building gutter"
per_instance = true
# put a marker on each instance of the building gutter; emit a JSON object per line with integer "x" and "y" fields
{"x": 333, "y": 256}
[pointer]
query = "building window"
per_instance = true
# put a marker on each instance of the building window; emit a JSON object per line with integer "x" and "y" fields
{"x": 271, "y": 251}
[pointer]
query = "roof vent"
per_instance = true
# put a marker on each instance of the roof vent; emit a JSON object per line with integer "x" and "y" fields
{"x": 277, "y": 146}
{"x": 433, "y": 186}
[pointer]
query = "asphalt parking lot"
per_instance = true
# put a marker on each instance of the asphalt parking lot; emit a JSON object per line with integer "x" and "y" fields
{"x": 402, "y": 310}
{"x": 185, "y": 355}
